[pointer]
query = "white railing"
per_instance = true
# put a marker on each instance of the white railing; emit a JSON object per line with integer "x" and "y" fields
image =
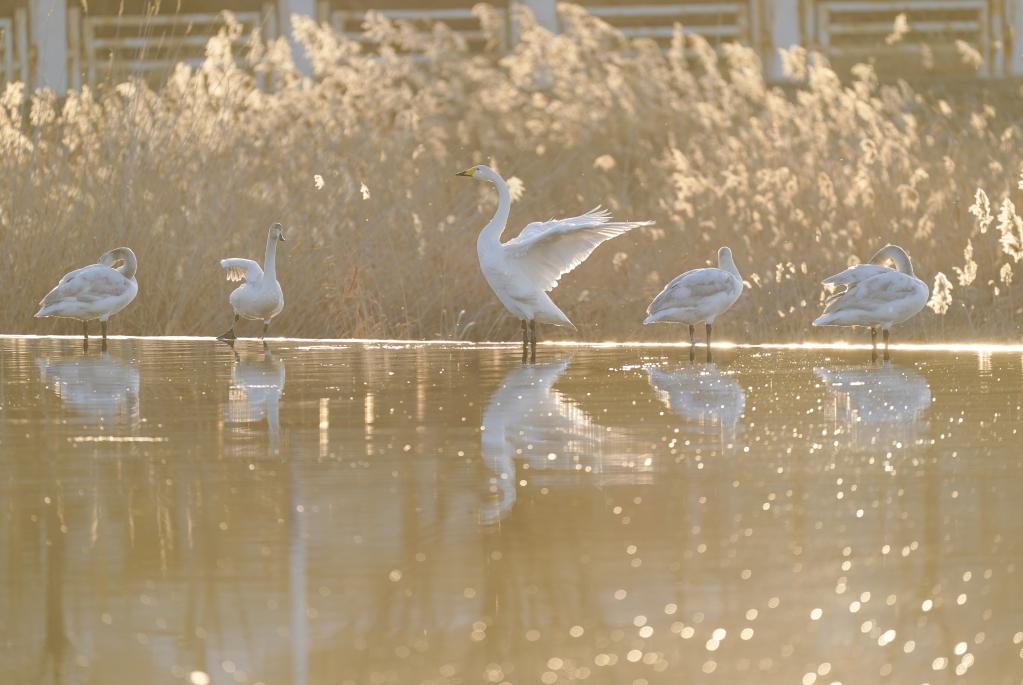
{"x": 460, "y": 20}
{"x": 100, "y": 47}
{"x": 150, "y": 45}
{"x": 718, "y": 22}
{"x": 13, "y": 42}
{"x": 857, "y": 30}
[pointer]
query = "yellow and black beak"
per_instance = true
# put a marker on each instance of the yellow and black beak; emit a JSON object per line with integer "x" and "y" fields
{"x": 468, "y": 172}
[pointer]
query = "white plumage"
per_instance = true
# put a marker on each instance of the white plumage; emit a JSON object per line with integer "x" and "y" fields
{"x": 260, "y": 296}
{"x": 97, "y": 291}
{"x": 874, "y": 295}
{"x": 855, "y": 274}
{"x": 698, "y": 296}
{"x": 524, "y": 269}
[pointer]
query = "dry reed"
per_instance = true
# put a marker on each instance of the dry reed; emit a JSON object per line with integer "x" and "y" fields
{"x": 357, "y": 160}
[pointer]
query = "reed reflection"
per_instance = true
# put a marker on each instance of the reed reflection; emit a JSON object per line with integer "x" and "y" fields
{"x": 57, "y": 647}
{"x": 711, "y": 400}
{"x": 94, "y": 389}
{"x": 877, "y": 406}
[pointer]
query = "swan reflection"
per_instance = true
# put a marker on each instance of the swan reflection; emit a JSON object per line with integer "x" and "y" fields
{"x": 255, "y": 393}
{"x": 94, "y": 388}
{"x": 527, "y": 419}
{"x": 703, "y": 395}
{"x": 880, "y": 405}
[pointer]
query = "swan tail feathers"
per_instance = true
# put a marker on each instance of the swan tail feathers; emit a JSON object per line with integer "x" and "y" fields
{"x": 565, "y": 323}
{"x": 824, "y": 320}
{"x": 655, "y": 317}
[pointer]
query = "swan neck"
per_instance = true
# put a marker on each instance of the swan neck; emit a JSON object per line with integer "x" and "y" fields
{"x": 491, "y": 233}
{"x": 270, "y": 260}
{"x": 726, "y": 263}
{"x": 130, "y": 265}
{"x": 898, "y": 257}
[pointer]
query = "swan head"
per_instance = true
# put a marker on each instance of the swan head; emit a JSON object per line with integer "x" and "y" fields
{"x": 724, "y": 254}
{"x": 277, "y": 232}
{"x": 480, "y": 172}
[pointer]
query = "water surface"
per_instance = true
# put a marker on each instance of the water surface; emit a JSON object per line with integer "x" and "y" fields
{"x": 400, "y": 513}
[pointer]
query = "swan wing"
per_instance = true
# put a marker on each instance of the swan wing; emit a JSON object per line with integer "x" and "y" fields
{"x": 87, "y": 285}
{"x": 874, "y": 292}
{"x": 72, "y": 274}
{"x": 694, "y": 287}
{"x": 242, "y": 270}
{"x": 547, "y": 250}
{"x": 855, "y": 274}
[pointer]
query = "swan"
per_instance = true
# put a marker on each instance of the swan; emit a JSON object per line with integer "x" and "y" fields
{"x": 260, "y": 296}
{"x": 97, "y": 291}
{"x": 524, "y": 269}
{"x": 700, "y": 295}
{"x": 875, "y": 295}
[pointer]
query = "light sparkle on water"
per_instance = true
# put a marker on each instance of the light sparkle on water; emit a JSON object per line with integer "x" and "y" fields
{"x": 780, "y": 515}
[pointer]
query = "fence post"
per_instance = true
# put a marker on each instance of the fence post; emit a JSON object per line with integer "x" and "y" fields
{"x": 545, "y": 12}
{"x": 287, "y": 9}
{"x": 47, "y": 21}
{"x": 74, "y": 46}
{"x": 783, "y": 23}
{"x": 1014, "y": 33}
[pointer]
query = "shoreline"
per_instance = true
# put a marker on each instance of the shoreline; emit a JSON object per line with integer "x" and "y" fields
{"x": 977, "y": 347}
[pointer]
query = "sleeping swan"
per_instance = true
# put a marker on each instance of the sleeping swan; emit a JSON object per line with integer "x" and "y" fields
{"x": 97, "y": 291}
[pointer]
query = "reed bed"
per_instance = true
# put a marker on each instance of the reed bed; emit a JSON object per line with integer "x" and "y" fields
{"x": 357, "y": 160}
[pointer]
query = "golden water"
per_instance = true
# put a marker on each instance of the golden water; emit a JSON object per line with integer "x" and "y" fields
{"x": 394, "y": 513}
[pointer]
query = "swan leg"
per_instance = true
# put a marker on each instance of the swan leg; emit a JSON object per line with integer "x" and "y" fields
{"x": 692, "y": 342}
{"x": 886, "y": 335}
{"x": 266, "y": 329}
{"x": 873, "y": 343}
{"x": 532, "y": 341}
{"x": 103, "y": 327}
{"x": 525, "y": 341}
{"x": 230, "y": 337}
{"x": 85, "y": 336}
{"x": 709, "y": 329}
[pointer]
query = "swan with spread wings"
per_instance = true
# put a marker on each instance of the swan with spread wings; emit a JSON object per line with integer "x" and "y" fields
{"x": 260, "y": 296}
{"x": 524, "y": 269}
